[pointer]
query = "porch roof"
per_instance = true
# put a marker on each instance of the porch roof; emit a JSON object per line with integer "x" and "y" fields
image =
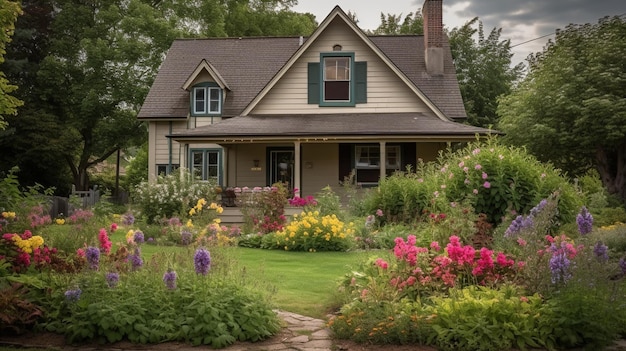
{"x": 347, "y": 126}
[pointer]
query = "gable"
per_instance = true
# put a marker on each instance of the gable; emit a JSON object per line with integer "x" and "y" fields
{"x": 385, "y": 89}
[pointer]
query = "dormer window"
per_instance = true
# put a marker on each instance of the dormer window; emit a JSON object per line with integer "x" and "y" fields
{"x": 206, "y": 100}
{"x": 337, "y": 80}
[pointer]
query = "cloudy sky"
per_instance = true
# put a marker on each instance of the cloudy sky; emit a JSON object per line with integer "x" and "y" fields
{"x": 520, "y": 20}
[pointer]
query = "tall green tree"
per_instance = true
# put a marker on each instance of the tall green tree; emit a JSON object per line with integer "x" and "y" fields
{"x": 390, "y": 24}
{"x": 571, "y": 107}
{"x": 9, "y": 10}
{"x": 33, "y": 141}
{"x": 484, "y": 70}
{"x": 237, "y": 18}
{"x": 101, "y": 61}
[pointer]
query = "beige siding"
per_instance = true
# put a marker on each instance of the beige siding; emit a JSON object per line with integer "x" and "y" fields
{"x": 319, "y": 167}
{"x": 386, "y": 92}
{"x": 240, "y": 163}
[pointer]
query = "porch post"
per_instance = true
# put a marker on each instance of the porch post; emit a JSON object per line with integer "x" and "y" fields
{"x": 383, "y": 161}
{"x": 296, "y": 166}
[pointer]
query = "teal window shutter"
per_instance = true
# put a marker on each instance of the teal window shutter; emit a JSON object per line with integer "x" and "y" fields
{"x": 313, "y": 82}
{"x": 360, "y": 78}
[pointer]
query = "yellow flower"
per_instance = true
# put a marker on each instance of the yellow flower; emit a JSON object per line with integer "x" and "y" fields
{"x": 59, "y": 221}
{"x": 8, "y": 215}
{"x": 220, "y": 209}
{"x": 217, "y": 220}
{"x": 189, "y": 223}
{"x": 192, "y": 211}
{"x": 213, "y": 206}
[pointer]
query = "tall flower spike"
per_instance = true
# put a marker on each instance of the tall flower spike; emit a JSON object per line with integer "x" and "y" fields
{"x": 202, "y": 261}
{"x": 93, "y": 257}
{"x": 169, "y": 278}
{"x": 585, "y": 221}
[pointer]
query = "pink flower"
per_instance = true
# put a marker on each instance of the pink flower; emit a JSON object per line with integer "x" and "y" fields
{"x": 382, "y": 263}
{"x": 487, "y": 185}
{"x": 113, "y": 227}
{"x": 475, "y": 191}
{"x": 478, "y": 167}
{"x": 379, "y": 212}
{"x": 80, "y": 253}
{"x": 521, "y": 242}
{"x": 485, "y": 175}
{"x": 435, "y": 246}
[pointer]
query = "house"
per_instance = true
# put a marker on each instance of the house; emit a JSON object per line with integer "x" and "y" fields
{"x": 306, "y": 111}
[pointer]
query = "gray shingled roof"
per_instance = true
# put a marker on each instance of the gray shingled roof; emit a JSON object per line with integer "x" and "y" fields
{"x": 248, "y": 64}
{"x": 338, "y": 125}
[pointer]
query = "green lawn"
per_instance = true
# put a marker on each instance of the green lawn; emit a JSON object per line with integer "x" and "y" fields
{"x": 305, "y": 282}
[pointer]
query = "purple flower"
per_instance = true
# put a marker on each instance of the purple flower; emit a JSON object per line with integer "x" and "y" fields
{"x": 72, "y": 295}
{"x": 601, "y": 251}
{"x": 622, "y": 265}
{"x": 585, "y": 221}
{"x": 135, "y": 259}
{"x": 138, "y": 237}
{"x": 537, "y": 209}
{"x": 519, "y": 224}
{"x": 93, "y": 257}
{"x": 202, "y": 261}
{"x": 186, "y": 237}
{"x": 169, "y": 278}
{"x": 112, "y": 279}
{"x": 128, "y": 219}
{"x": 559, "y": 266}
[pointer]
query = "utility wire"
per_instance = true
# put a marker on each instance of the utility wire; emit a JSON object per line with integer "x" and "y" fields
{"x": 547, "y": 35}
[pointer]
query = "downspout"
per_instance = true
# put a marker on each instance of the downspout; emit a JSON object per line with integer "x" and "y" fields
{"x": 169, "y": 150}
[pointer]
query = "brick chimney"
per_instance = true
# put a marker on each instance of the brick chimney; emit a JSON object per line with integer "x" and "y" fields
{"x": 433, "y": 36}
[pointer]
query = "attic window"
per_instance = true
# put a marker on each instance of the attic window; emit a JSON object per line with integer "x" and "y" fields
{"x": 337, "y": 47}
{"x": 206, "y": 99}
{"x": 337, "y": 80}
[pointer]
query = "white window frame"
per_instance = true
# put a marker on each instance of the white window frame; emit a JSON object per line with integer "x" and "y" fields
{"x": 207, "y": 101}
{"x": 393, "y": 152}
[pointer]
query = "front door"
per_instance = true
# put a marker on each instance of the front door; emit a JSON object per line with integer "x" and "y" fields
{"x": 281, "y": 163}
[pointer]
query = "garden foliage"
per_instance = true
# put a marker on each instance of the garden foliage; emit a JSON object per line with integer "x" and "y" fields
{"x": 493, "y": 179}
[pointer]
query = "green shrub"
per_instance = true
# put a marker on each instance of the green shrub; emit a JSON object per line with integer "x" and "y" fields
{"x": 384, "y": 322}
{"x": 215, "y": 309}
{"x": 480, "y": 318}
{"x": 493, "y": 179}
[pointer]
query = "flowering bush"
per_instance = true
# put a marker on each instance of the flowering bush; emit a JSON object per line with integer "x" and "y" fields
{"x": 171, "y": 194}
{"x": 22, "y": 251}
{"x": 263, "y": 208}
{"x": 310, "y": 231}
{"x": 492, "y": 178}
{"x": 422, "y": 271}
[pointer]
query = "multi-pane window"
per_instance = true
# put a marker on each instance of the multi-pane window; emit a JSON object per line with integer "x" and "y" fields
{"x": 164, "y": 169}
{"x": 368, "y": 156}
{"x": 207, "y": 100}
{"x": 205, "y": 164}
{"x": 337, "y": 78}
